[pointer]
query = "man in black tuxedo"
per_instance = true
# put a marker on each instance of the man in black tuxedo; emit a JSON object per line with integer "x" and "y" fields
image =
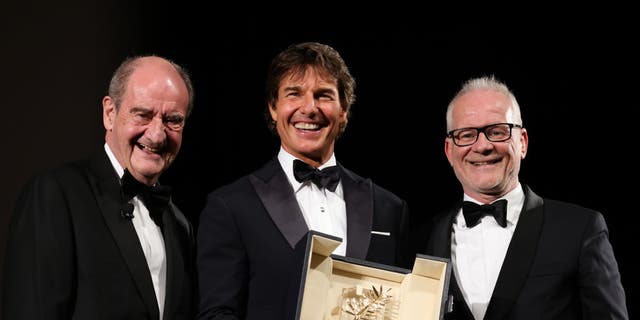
{"x": 516, "y": 255}
{"x": 251, "y": 233}
{"x": 100, "y": 238}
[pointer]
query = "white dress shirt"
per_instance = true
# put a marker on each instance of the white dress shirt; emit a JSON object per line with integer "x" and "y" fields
{"x": 323, "y": 210}
{"x": 477, "y": 253}
{"x": 151, "y": 240}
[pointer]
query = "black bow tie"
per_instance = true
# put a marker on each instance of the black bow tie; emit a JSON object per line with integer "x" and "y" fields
{"x": 155, "y": 198}
{"x": 474, "y": 212}
{"x": 327, "y": 177}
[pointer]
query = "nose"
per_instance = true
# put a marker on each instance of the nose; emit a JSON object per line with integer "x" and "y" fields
{"x": 308, "y": 104}
{"x": 156, "y": 130}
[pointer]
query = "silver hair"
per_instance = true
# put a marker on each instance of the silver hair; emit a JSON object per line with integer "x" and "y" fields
{"x": 485, "y": 83}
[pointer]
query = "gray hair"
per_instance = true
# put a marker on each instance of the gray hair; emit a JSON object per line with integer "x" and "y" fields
{"x": 485, "y": 83}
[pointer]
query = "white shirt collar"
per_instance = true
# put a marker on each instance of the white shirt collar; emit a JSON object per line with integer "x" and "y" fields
{"x": 114, "y": 162}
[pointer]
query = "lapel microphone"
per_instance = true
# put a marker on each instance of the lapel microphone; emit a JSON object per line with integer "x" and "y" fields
{"x": 126, "y": 211}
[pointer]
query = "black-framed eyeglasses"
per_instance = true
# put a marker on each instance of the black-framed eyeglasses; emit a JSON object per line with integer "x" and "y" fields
{"x": 497, "y": 132}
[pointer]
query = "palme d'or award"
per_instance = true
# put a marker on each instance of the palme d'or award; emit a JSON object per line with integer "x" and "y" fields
{"x": 334, "y": 287}
{"x": 357, "y": 303}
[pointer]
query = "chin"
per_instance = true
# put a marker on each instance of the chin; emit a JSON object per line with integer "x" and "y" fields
{"x": 149, "y": 169}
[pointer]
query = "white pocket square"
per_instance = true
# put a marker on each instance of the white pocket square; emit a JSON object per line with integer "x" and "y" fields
{"x": 382, "y": 233}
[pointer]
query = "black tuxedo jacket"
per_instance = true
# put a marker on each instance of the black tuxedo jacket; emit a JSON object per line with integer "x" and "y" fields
{"x": 559, "y": 265}
{"x": 71, "y": 255}
{"x": 251, "y": 242}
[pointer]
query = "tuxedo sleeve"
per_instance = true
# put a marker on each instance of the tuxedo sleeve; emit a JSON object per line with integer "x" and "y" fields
{"x": 39, "y": 268}
{"x": 221, "y": 262}
{"x": 601, "y": 289}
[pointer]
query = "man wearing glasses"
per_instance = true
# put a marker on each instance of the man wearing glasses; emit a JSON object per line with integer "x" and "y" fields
{"x": 516, "y": 255}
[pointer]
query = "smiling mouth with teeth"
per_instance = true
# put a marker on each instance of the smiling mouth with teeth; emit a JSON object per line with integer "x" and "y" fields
{"x": 147, "y": 148}
{"x": 307, "y": 126}
{"x": 479, "y": 163}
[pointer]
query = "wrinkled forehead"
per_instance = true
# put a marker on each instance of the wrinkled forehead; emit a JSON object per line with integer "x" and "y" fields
{"x": 156, "y": 73}
{"x": 157, "y": 82}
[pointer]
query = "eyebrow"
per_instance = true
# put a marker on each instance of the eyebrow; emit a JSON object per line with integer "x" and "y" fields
{"x": 320, "y": 90}
{"x": 150, "y": 110}
{"x": 327, "y": 90}
{"x": 139, "y": 109}
{"x": 292, "y": 88}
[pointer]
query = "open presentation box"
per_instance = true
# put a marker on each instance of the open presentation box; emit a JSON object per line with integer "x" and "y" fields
{"x": 339, "y": 288}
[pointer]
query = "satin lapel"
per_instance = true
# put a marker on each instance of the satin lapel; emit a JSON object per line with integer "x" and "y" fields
{"x": 276, "y": 194}
{"x": 175, "y": 267}
{"x": 106, "y": 187}
{"x": 519, "y": 257}
{"x": 358, "y": 198}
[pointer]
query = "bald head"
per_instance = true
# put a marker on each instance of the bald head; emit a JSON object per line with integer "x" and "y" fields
{"x": 149, "y": 66}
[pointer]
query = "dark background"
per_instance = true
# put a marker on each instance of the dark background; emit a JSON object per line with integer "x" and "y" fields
{"x": 575, "y": 79}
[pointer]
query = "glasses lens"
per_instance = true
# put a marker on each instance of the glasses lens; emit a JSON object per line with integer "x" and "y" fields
{"x": 498, "y": 132}
{"x": 464, "y": 137}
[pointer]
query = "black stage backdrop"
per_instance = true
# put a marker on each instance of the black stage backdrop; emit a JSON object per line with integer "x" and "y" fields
{"x": 576, "y": 83}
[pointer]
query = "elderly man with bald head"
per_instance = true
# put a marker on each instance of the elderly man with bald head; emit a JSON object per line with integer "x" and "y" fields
{"x": 100, "y": 238}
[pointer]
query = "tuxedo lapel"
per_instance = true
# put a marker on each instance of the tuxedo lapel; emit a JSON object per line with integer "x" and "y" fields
{"x": 276, "y": 194}
{"x": 106, "y": 187}
{"x": 175, "y": 269}
{"x": 519, "y": 257}
{"x": 358, "y": 198}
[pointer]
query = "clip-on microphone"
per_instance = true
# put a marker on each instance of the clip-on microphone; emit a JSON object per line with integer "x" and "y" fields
{"x": 126, "y": 211}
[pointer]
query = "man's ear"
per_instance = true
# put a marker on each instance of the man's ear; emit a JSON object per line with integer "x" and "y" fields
{"x": 273, "y": 113}
{"x": 108, "y": 112}
{"x": 448, "y": 149}
{"x": 524, "y": 143}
